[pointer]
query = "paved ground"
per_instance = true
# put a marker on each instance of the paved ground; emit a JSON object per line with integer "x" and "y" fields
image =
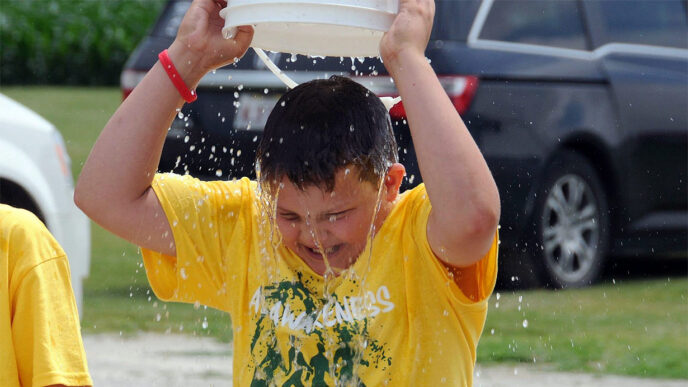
{"x": 176, "y": 360}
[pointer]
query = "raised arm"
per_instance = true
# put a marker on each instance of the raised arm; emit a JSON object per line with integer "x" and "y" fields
{"x": 114, "y": 188}
{"x": 463, "y": 194}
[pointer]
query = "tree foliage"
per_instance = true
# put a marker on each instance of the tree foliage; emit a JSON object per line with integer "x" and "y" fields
{"x": 77, "y": 42}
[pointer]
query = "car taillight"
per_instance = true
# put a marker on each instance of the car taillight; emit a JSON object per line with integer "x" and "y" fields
{"x": 128, "y": 80}
{"x": 460, "y": 89}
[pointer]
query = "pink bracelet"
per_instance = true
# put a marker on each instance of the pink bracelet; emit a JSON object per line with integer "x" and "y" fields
{"x": 188, "y": 95}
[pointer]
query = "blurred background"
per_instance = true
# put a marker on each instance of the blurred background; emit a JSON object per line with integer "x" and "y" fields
{"x": 583, "y": 124}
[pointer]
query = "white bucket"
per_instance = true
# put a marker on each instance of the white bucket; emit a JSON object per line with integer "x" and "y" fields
{"x": 348, "y": 28}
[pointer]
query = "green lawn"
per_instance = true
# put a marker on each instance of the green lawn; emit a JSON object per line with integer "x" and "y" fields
{"x": 634, "y": 328}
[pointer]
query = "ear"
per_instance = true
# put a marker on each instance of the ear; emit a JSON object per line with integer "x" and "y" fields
{"x": 393, "y": 178}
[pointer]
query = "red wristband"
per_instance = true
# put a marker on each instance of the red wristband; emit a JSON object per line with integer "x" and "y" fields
{"x": 188, "y": 95}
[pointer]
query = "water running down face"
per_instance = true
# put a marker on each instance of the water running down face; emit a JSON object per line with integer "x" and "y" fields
{"x": 312, "y": 221}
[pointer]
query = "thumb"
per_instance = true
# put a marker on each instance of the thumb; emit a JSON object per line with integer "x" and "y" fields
{"x": 243, "y": 37}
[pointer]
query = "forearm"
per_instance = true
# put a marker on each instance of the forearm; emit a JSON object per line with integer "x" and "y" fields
{"x": 459, "y": 183}
{"x": 124, "y": 159}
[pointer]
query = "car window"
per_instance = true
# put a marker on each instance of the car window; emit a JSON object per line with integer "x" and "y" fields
{"x": 658, "y": 22}
{"x": 453, "y": 19}
{"x": 542, "y": 22}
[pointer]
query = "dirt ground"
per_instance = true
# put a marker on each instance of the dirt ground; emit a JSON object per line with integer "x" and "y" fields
{"x": 177, "y": 360}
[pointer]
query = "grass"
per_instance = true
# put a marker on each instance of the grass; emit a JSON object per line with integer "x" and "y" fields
{"x": 637, "y": 328}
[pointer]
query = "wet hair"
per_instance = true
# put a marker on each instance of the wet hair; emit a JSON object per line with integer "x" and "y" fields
{"x": 321, "y": 126}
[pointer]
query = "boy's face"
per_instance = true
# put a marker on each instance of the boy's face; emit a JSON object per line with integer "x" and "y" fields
{"x": 313, "y": 221}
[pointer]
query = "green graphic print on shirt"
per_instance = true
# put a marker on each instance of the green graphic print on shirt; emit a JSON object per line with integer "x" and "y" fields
{"x": 302, "y": 339}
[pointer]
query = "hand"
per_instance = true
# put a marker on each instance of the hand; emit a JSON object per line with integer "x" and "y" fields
{"x": 409, "y": 33}
{"x": 200, "y": 46}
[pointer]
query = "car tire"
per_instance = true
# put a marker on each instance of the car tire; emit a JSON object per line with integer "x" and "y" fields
{"x": 571, "y": 219}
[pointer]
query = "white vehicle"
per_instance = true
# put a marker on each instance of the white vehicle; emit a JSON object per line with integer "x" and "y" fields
{"x": 35, "y": 175}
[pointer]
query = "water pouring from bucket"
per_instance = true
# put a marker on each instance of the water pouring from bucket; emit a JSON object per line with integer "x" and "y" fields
{"x": 345, "y": 28}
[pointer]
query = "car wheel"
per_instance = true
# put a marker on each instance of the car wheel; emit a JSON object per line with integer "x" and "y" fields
{"x": 571, "y": 224}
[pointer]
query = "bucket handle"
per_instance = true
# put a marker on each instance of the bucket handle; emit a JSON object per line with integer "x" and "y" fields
{"x": 387, "y": 101}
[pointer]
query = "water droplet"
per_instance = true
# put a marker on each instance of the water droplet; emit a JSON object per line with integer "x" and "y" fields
{"x": 180, "y": 115}
{"x": 525, "y": 323}
{"x": 445, "y": 313}
{"x": 492, "y": 331}
{"x": 182, "y": 273}
{"x": 498, "y": 296}
{"x": 218, "y": 173}
{"x": 157, "y": 317}
{"x": 204, "y": 324}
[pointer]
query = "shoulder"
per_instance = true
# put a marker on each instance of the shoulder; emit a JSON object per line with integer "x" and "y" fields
{"x": 18, "y": 222}
{"x": 409, "y": 215}
{"x": 417, "y": 194}
{"x": 413, "y": 202}
{"x": 24, "y": 238}
{"x": 173, "y": 184}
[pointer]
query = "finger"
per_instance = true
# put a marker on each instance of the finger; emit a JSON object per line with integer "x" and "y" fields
{"x": 243, "y": 36}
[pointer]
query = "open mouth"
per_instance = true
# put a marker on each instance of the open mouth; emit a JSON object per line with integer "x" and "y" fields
{"x": 328, "y": 251}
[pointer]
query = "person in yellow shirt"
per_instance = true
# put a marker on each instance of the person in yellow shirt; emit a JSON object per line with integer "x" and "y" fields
{"x": 40, "y": 337}
{"x": 330, "y": 275}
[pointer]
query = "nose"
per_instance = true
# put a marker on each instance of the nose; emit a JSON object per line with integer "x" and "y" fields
{"x": 307, "y": 235}
{"x": 313, "y": 234}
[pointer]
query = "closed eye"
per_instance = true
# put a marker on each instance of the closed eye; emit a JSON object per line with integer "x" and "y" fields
{"x": 337, "y": 215}
{"x": 290, "y": 217}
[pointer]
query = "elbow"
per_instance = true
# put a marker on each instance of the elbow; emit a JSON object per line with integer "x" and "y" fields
{"x": 79, "y": 198}
{"x": 82, "y": 198}
{"x": 490, "y": 220}
{"x": 484, "y": 221}
{"x": 466, "y": 244}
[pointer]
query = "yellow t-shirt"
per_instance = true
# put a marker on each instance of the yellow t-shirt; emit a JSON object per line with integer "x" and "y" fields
{"x": 40, "y": 337}
{"x": 402, "y": 318}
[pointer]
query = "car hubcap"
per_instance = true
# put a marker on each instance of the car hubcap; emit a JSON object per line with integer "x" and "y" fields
{"x": 570, "y": 228}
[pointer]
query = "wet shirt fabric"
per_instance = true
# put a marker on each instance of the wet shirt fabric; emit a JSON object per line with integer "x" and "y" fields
{"x": 397, "y": 317}
{"x": 40, "y": 337}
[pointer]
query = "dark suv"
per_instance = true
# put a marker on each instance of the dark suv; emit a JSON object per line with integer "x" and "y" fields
{"x": 579, "y": 107}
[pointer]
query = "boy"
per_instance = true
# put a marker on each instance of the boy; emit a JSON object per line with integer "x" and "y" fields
{"x": 355, "y": 284}
{"x": 40, "y": 337}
